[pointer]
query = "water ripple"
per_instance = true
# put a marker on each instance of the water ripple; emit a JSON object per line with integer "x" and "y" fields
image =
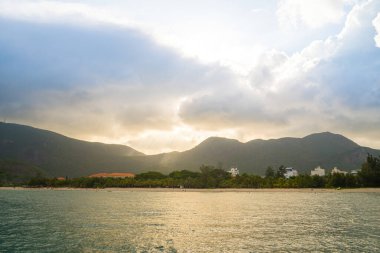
{"x": 89, "y": 221}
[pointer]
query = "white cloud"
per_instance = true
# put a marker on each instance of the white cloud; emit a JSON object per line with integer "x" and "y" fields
{"x": 330, "y": 85}
{"x": 376, "y": 24}
{"x": 61, "y": 12}
{"x": 310, "y": 13}
{"x": 198, "y": 31}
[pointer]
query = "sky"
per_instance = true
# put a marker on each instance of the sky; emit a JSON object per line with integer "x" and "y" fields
{"x": 164, "y": 75}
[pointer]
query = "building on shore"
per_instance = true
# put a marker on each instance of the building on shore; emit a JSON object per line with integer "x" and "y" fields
{"x": 290, "y": 172}
{"x": 354, "y": 172}
{"x": 318, "y": 172}
{"x": 338, "y": 171}
{"x": 234, "y": 172}
{"x": 113, "y": 175}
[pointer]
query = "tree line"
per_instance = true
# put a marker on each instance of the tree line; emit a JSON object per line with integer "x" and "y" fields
{"x": 211, "y": 177}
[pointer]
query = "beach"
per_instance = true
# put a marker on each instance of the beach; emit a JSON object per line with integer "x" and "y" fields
{"x": 305, "y": 190}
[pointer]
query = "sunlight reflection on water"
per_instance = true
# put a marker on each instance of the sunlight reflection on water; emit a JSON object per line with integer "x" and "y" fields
{"x": 126, "y": 221}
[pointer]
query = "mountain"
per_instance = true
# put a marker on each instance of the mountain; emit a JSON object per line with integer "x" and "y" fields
{"x": 57, "y": 155}
{"x": 324, "y": 149}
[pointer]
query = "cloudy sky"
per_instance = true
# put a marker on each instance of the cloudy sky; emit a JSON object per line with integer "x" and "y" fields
{"x": 164, "y": 75}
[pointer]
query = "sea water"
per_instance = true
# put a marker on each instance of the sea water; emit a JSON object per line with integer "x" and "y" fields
{"x": 146, "y": 221}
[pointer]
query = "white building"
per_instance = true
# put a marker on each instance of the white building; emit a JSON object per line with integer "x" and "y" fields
{"x": 290, "y": 172}
{"x": 354, "y": 172}
{"x": 234, "y": 172}
{"x": 338, "y": 171}
{"x": 318, "y": 172}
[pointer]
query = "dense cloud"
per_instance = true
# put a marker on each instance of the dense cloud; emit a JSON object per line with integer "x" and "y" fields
{"x": 110, "y": 82}
{"x": 91, "y": 77}
{"x": 332, "y": 84}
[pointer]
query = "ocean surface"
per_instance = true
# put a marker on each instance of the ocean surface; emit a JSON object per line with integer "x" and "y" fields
{"x": 138, "y": 221}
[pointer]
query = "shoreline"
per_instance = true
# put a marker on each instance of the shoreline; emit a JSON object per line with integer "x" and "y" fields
{"x": 301, "y": 190}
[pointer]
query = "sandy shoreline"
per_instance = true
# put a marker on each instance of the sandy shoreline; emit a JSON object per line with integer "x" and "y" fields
{"x": 304, "y": 190}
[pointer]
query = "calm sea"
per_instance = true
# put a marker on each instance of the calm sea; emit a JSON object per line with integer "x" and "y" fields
{"x": 135, "y": 221}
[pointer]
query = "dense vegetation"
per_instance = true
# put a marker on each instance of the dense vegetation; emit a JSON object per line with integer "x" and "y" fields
{"x": 211, "y": 177}
{"x": 15, "y": 172}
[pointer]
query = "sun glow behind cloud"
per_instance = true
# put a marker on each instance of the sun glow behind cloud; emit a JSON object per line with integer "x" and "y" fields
{"x": 164, "y": 75}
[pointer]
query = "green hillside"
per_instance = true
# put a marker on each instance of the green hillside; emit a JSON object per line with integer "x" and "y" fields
{"x": 18, "y": 172}
{"x": 58, "y": 155}
{"x": 322, "y": 149}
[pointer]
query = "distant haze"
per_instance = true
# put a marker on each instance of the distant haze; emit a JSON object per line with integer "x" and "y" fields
{"x": 164, "y": 75}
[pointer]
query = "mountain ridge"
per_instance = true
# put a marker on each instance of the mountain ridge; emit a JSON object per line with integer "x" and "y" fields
{"x": 59, "y": 155}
